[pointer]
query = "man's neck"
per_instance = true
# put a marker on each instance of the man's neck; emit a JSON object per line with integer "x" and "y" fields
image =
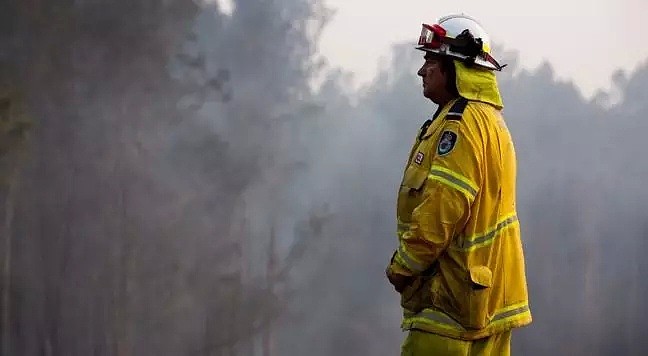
{"x": 445, "y": 100}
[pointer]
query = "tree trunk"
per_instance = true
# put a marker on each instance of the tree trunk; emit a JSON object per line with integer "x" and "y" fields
{"x": 268, "y": 337}
{"x": 6, "y": 268}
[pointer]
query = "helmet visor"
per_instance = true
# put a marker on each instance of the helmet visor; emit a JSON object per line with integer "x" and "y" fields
{"x": 431, "y": 36}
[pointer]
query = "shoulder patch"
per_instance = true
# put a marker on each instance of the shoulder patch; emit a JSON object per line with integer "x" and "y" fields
{"x": 447, "y": 142}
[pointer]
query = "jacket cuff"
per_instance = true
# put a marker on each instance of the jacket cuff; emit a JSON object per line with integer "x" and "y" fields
{"x": 397, "y": 268}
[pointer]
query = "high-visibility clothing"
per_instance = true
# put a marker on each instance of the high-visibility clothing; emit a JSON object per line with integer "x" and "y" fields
{"x": 458, "y": 228}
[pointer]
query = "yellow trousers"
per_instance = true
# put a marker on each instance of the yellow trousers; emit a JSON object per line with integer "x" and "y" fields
{"x": 420, "y": 343}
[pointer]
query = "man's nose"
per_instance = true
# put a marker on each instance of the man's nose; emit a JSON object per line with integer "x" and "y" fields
{"x": 420, "y": 72}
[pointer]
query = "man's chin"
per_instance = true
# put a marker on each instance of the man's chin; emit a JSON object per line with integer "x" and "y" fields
{"x": 430, "y": 97}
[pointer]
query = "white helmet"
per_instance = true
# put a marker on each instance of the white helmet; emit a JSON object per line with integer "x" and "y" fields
{"x": 459, "y": 36}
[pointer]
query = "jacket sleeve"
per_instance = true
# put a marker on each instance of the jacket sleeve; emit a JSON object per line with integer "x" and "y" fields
{"x": 452, "y": 185}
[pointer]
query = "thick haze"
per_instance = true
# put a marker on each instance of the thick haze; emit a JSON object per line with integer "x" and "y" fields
{"x": 184, "y": 191}
{"x": 584, "y": 40}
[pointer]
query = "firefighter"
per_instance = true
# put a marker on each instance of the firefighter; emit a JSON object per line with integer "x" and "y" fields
{"x": 459, "y": 266}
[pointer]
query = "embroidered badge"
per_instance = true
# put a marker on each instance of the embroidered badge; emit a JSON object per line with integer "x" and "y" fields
{"x": 419, "y": 157}
{"x": 446, "y": 143}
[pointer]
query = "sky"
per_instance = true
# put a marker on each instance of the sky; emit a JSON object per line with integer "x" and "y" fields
{"x": 585, "y": 40}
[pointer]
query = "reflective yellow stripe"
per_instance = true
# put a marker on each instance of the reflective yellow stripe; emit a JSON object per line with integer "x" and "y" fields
{"x": 454, "y": 180}
{"x": 427, "y": 321}
{"x": 511, "y": 312}
{"x": 408, "y": 261}
{"x": 480, "y": 240}
{"x": 400, "y": 261}
{"x": 440, "y": 319}
{"x": 443, "y": 321}
{"x": 501, "y": 313}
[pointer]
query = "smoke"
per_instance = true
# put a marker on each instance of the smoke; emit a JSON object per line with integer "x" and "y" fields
{"x": 188, "y": 192}
{"x": 580, "y": 203}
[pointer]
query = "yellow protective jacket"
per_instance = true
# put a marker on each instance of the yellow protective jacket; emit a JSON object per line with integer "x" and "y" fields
{"x": 458, "y": 229}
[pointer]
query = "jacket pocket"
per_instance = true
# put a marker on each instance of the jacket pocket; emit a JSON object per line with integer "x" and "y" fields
{"x": 414, "y": 177}
{"x": 410, "y": 194}
{"x": 465, "y": 296}
{"x": 476, "y": 312}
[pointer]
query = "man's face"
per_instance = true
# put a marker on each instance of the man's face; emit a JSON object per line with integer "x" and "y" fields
{"x": 434, "y": 78}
